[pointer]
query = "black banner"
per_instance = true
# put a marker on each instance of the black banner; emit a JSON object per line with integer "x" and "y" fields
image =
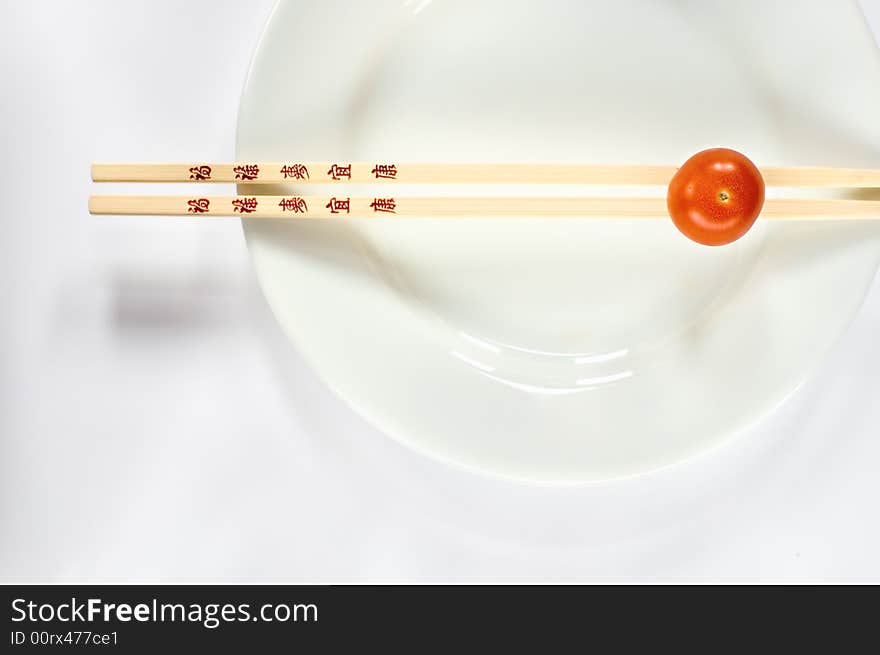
{"x": 149, "y": 618}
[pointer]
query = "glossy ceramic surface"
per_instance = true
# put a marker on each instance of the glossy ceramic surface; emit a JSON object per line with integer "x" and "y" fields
{"x": 562, "y": 350}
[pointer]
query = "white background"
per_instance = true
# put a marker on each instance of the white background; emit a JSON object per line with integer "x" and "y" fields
{"x": 155, "y": 425}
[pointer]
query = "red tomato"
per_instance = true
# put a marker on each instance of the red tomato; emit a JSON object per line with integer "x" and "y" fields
{"x": 715, "y": 197}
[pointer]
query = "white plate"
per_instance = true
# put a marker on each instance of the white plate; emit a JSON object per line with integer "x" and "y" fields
{"x": 562, "y": 350}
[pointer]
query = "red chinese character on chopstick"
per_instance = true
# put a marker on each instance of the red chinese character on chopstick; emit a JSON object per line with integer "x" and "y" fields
{"x": 244, "y": 205}
{"x": 200, "y": 173}
{"x": 386, "y": 205}
{"x": 296, "y": 171}
{"x": 246, "y": 171}
{"x": 385, "y": 171}
{"x": 296, "y": 205}
{"x": 338, "y": 206}
{"x": 198, "y": 205}
{"x": 337, "y": 172}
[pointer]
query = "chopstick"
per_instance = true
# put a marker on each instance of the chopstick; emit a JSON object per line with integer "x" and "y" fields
{"x": 454, "y": 173}
{"x": 449, "y": 207}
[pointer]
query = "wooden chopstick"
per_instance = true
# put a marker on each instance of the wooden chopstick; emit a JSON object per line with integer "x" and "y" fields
{"x": 449, "y": 207}
{"x": 455, "y": 173}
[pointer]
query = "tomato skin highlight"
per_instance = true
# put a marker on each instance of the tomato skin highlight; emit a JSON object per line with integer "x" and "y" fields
{"x": 716, "y": 196}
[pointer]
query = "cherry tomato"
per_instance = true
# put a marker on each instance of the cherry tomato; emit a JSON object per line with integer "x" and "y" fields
{"x": 715, "y": 197}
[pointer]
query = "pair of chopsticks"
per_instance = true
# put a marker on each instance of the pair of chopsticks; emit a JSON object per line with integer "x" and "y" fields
{"x": 386, "y": 175}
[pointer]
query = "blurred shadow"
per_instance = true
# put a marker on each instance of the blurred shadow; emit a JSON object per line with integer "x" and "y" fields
{"x": 146, "y": 302}
{"x": 338, "y": 244}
